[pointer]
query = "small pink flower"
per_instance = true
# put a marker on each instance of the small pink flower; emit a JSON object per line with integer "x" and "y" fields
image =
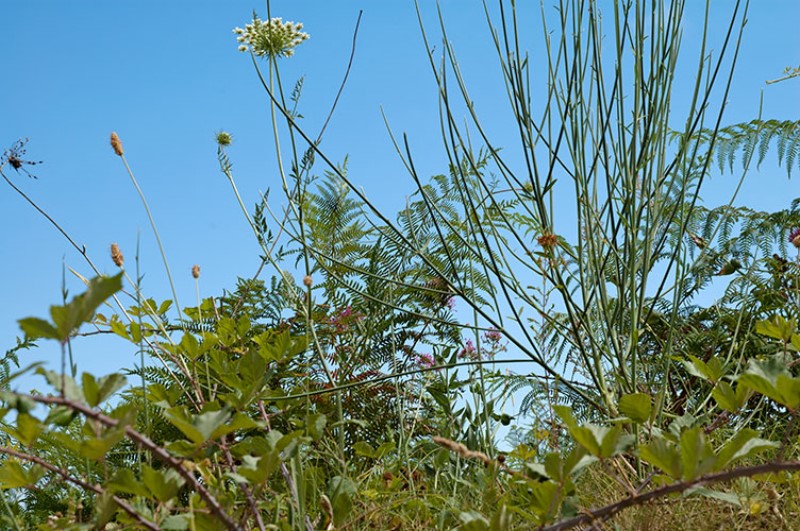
{"x": 425, "y": 361}
{"x": 451, "y": 303}
{"x": 469, "y": 351}
{"x": 493, "y": 335}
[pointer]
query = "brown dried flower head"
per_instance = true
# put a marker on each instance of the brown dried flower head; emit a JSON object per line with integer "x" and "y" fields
{"x": 195, "y": 271}
{"x": 116, "y": 255}
{"x": 308, "y": 281}
{"x": 116, "y": 144}
{"x": 547, "y": 240}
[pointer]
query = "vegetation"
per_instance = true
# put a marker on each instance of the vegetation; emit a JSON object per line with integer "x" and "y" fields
{"x": 357, "y": 398}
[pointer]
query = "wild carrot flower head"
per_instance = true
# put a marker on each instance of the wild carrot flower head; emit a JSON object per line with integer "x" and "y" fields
{"x": 273, "y": 38}
{"x": 794, "y": 237}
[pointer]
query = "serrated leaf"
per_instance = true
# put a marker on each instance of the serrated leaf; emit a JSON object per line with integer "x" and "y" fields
{"x": 635, "y": 406}
{"x": 663, "y": 455}
{"x": 38, "y": 328}
{"x": 744, "y": 444}
{"x": 26, "y": 430}
{"x": 14, "y": 475}
{"x": 729, "y": 399}
{"x": 125, "y": 481}
{"x": 70, "y": 389}
{"x": 711, "y": 371}
{"x": 697, "y": 456}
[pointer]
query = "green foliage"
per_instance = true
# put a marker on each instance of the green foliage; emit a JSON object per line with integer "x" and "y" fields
{"x": 358, "y": 399}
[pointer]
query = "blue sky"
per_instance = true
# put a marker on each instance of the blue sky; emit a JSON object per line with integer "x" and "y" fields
{"x": 166, "y": 76}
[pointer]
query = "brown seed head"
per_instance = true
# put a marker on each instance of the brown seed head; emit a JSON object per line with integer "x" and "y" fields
{"x": 547, "y": 240}
{"x": 196, "y": 271}
{"x": 308, "y": 281}
{"x": 116, "y": 255}
{"x": 116, "y": 144}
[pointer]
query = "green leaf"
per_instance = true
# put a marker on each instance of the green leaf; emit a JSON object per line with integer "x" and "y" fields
{"x": 635, "y": 406}
{"x": 201, "y": 428}
{"x": 14, "y": 475}
{"x": 711, "y": 370}
{"x": 664, "y": 455}
{"x": 727, "y": 497}
{"x": 364, "y": 449}
{"x": 315, "y": 424}
{"x": 190, "y": 346}
{"x": 27, "y": 429}
{"x": 38, "y": 328}
{"x": 125, "y": 481}
{"x": 744, "y": 444}
{"x": 697, "y": 456}
{"x": 70, "y": 389}
{"x": 778, "y": 328}
{"x": 176, "y": 522}
{"x": 729, "y": 399}
{"x": 770, "y": 378}
{"x": 162, "y": 484}
{"x": 341, "y": 491}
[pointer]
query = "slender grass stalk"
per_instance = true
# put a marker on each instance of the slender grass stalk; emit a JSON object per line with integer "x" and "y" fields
{"x": 121, "y": 155}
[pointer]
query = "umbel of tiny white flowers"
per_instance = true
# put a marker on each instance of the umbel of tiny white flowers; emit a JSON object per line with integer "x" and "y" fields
{"x": 273, "y": 38}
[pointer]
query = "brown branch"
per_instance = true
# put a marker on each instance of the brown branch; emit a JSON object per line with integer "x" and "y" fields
{"x": 144, "y": 442}
{"x": 79, "y": 482}
{"x": 604, "y": 513}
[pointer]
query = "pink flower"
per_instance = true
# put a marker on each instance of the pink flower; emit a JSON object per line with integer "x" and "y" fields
{"x": 469, "y": 351}
{"x": 451, "y": 302}
{"x": 425, "y": 361}
{"x": 493, "y": 335}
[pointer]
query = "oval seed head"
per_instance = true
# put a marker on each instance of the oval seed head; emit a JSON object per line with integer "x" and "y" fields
{"x": 116, "y": 255}
{"x": 116, "y": 144}
{"x": 308, "y": 281}
{"x": 195, "y": 271}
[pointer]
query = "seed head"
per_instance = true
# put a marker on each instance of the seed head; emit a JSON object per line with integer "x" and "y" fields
{"x": 308, "y": 281}
{"x": 116, "y": 144}
{"x": 224, "y": 138}
{"x": 794, "y": 238}
{"x": 116, "y": 255}
{"x": 547, "y": 240}
{"x": 195, "y": 271}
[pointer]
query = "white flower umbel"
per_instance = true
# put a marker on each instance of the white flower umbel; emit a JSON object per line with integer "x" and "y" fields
{"x": 273, "y": 38}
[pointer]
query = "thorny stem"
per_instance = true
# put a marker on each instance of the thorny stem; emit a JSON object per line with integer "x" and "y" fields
{"x": 125, "y": 506}
{"x": 142, "y": 440}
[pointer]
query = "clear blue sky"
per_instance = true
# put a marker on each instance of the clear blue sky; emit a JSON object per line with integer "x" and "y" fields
{"x": 166, "y": 76}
